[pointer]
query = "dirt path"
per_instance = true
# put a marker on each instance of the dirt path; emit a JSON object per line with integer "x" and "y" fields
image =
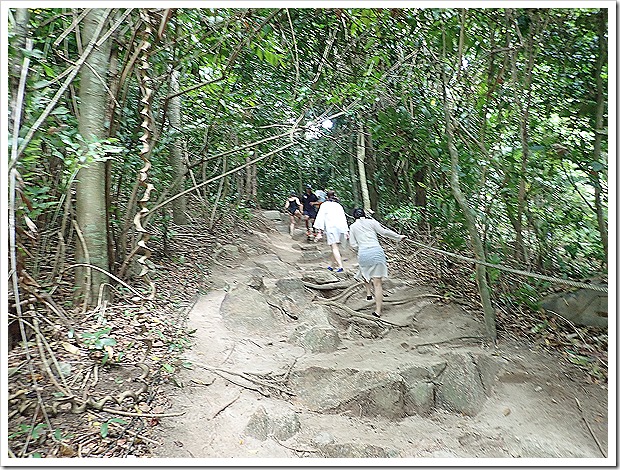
{"x": 278, "y": 373}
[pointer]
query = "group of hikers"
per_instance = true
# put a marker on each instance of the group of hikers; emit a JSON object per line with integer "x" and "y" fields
{"x": 323, "y": 214}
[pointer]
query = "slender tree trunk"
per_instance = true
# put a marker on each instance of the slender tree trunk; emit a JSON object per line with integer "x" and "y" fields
{"x": 599, "y": 127}
{"x": 21, "y": 16}
{"x": 177, "y": 162}
{"x": 470, "y": 218}
{"x": 355, "y": 182}
{"x": 371, "y": 170}
{"x": 90, "y": 189}
{"x": 490, "y": 319}
{"x": 361, "y": 166}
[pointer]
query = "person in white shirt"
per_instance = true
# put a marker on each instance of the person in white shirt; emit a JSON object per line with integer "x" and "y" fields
{"x": 332, "y": 220}
{"x": 370, "y": 254}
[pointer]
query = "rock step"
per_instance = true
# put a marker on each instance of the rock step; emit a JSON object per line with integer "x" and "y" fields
{"x": 457, "y": 382}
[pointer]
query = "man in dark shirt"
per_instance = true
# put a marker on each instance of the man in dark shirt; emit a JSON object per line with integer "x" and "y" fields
{"x": 310, "y": 202}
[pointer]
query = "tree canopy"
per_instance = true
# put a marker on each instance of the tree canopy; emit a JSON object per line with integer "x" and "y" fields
{"x": 510, "y": 104}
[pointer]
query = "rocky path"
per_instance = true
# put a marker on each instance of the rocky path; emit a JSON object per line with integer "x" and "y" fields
{"x": 279, "y": 370}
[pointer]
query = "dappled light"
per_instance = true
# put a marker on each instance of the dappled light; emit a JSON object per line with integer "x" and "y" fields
{"x": 309, "y": 232}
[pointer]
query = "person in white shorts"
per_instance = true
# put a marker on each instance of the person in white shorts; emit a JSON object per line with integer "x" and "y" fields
{"x": 332, "y": 220}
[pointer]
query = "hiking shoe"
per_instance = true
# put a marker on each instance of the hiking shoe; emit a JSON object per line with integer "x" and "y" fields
{"x": 369, "y": 297}
{"x": 340, "y": 270}
{"x": 375, "y": 314}
{"x": 329, "y": 268}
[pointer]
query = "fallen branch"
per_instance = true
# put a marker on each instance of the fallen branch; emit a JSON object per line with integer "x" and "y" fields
{"x": 598, "y": 443}
{"x": 225, "y": 406}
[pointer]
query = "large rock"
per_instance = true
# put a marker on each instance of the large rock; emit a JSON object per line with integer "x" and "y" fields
{"x": 460, "y": 388}
{"x": 359, "y": 451}
{"x": 246, "y": 308}
{"x": 272, "y": 265}
{"x": 273, "y": 420}
{"x": 419, "y": 386}
{"x": 582, "y": 306}
{"x": 316, "y": 339}
{"x": 291, "y": 287}
{"x": 320, "y": 277}
{"x": 272, "y": 215}
{"x": 360, "y": 392}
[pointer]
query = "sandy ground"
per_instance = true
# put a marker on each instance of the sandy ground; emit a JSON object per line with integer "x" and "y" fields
{"x": 531, "y": 411}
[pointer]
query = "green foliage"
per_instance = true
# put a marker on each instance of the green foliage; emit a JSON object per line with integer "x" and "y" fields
{"x": 99, "y": 340}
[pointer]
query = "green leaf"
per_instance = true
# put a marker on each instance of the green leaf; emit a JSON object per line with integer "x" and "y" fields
{"x": 117, "y": 420}
{"x": 168, "y": 367}
{"x": 104, "y": 429}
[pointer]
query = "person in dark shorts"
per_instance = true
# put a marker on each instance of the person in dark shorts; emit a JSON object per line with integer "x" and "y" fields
{"x": 293, "y": 209}
{"x": 310, "y": 202}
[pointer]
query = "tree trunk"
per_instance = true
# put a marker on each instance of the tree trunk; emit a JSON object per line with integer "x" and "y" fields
{"x": 177, "y": 163}
{"x": 355, "y": 182}
{"x": 90, "y": 189}
{"x": 490, "y": 319}
{"x": 470, "y": 218}
{"x": 15, "y": 62}
{"x": 371, "y": 168}
{"x": 361, "y": 156}
{"x": 599, "y": 127}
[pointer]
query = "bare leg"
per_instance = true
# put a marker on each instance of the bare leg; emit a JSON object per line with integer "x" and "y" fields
{"x": 336, "y": 254}
{"x": 368, "y": 291}
{"x": 291, "y": 229}
{"x": 378, "y": 284}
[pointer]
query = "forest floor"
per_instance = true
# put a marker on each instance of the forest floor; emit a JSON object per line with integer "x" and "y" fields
{"x": 255, "y": 350}
{"x": 275, "y": 371}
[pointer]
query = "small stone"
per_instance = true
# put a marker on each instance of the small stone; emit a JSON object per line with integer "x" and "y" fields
{"x": 506, "y": 411}
{"x": 538, "y": 389}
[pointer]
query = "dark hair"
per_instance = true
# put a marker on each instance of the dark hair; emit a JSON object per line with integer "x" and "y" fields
{"x": 358, "y": 213}
{"x": 292, "y": 193}
{"x": 331, "y": 194}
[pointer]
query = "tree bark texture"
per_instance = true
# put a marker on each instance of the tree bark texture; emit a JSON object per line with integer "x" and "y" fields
{"x": 361, "y": 167}
{"x": 177, "y": 163}
{"x": 599, "y": 127}
{"x": 90, "y": 189}
{"x": 21, "y": 16}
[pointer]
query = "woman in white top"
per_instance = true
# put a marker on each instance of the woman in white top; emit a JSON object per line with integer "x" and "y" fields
{"x": 370, "y": 254}
{"x": 332, "y": 220}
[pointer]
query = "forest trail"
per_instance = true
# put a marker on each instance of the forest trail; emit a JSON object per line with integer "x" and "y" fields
{"x": 279, "y": 372}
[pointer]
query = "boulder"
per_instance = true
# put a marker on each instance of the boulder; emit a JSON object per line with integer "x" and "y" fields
{"x": 246, "y": 308}
{"x": 360, "y": 392}
{"x": 460, "y": 388}
{"x": 419, "y": 386}
{"x": 273, "y": 420}
{"x": 272, "y": 215}
{"x": 291, "y": 287}
{"x": 320, "y": 277}
{"x": 582, "y": 306}
{"x": 357, "y": 450}
{"x": 272, "y": 265}
{"x": 316, "y": 339}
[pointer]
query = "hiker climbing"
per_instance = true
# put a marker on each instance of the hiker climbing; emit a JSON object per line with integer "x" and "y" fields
{"x": 292, "y": 207}
{"x": 332, "y": 220}
{"x": 310, "y": 202}
{"x": 370, "y": 254}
